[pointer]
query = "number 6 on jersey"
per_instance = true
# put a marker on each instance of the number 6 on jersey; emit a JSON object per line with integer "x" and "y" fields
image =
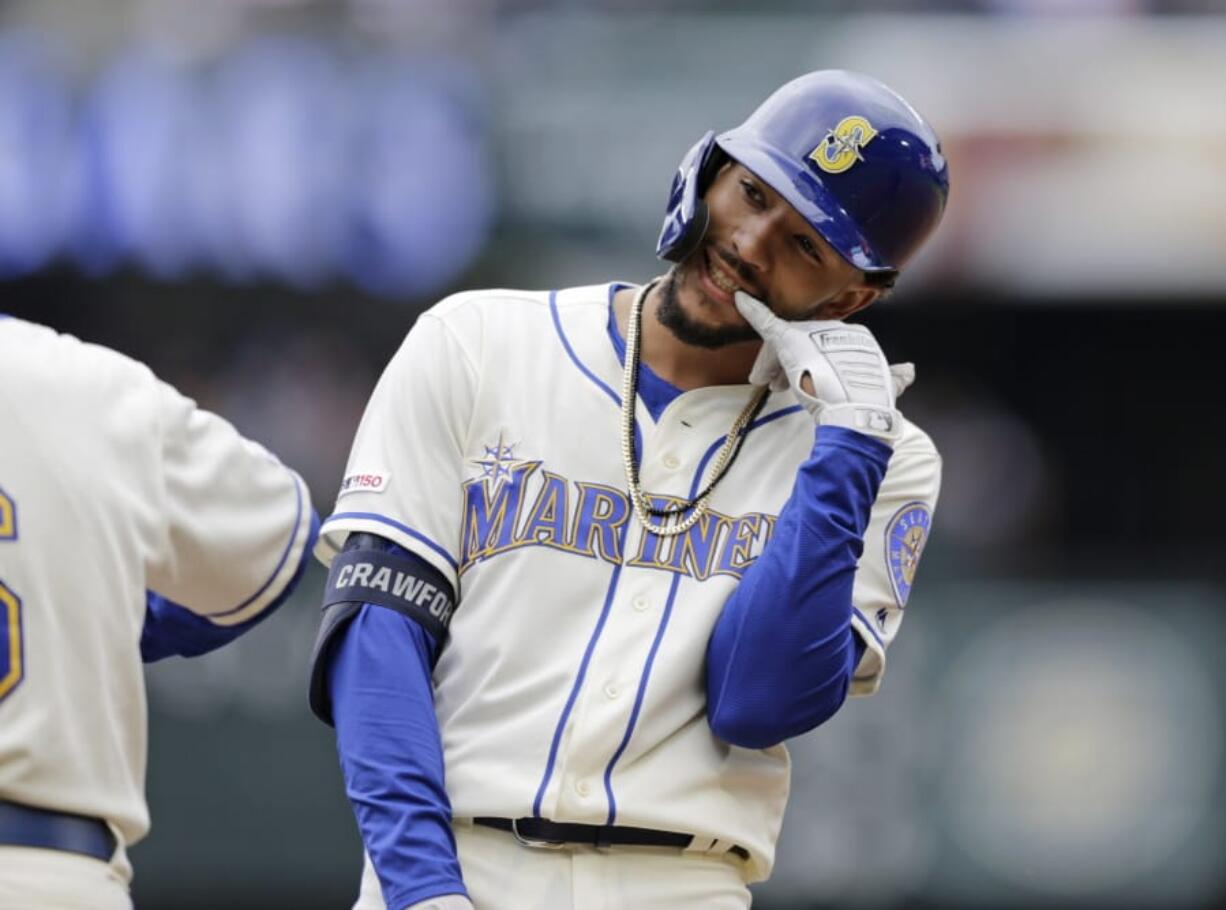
{"x": 10, "y": 609}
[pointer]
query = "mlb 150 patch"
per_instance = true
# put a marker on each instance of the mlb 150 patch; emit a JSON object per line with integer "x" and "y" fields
{"x": 904, "y": 544}
{"x": 365, "y": 482}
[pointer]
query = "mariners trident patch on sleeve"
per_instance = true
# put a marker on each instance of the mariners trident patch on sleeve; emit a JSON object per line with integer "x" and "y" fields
{"x": 904, "y": 544}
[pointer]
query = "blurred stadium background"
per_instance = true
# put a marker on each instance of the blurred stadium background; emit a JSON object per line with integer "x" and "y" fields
{"x": 257, "y": 197}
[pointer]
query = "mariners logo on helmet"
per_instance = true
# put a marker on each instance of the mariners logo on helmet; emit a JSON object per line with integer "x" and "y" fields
{"x": 841, "y": 147}
{"x": 874, "y": 190}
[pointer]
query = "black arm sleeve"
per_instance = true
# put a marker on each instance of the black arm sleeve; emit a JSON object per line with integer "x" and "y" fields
{"x": 373, "y": 570}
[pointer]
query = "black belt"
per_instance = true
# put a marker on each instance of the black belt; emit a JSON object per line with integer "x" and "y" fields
{"x": 541, "y": 832}
{"x": 25, "y": 826}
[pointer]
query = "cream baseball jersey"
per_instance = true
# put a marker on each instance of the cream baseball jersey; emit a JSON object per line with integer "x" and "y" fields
{"x": 113, "y": 484}
{"x": 571, "y": 686}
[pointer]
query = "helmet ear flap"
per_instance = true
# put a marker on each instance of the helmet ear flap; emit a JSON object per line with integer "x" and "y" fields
{"x": 716, "y": 159}
{"x": 691, "y": 235}
{"x": 686, "y": 220}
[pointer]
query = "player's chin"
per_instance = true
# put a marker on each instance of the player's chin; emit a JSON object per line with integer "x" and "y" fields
{"x": 701, "y": 310}
{"x": 702, "y": 299}
{"x": 695, "y": 319}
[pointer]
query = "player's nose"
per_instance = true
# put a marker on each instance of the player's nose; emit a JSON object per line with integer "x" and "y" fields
{"x": 752, "y": 240}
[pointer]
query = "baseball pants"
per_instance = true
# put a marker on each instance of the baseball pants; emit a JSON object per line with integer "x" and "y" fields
{"x": 35, "y": 879}
{"x": 502, "y": 874}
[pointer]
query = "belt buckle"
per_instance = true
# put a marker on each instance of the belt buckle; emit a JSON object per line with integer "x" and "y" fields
{"x": 533, "y": 842}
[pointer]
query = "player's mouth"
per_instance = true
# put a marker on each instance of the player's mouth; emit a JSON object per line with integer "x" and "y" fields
{"x": 718, "y": 283}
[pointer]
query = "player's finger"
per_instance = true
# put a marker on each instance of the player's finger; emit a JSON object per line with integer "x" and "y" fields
{"x": 903, "y": 375}
{"x": 758, "y": 315}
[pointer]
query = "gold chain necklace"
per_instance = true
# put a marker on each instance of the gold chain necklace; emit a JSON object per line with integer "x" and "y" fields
{"x": 699, "y": 505}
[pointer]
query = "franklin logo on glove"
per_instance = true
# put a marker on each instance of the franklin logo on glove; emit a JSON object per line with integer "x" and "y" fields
{"x": 844, "y": 341}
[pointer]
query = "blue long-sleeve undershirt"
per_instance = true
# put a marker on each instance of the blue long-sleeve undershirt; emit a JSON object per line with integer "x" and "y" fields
{"x": 789, "y": 669}
{"x": 391, "y": 753}
{"x": 783, "y": 653}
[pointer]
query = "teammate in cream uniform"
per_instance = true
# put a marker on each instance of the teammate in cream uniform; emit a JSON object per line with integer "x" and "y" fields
{"x": 132, "y": 525}
{"x": 638, "y": 604}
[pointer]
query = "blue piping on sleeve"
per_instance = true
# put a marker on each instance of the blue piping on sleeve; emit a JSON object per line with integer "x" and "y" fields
{"x": 403, "y": 528}
{"x": 172, "y": 629}
{"x": 313, "y": 534}
{"x": 868, "y": 625}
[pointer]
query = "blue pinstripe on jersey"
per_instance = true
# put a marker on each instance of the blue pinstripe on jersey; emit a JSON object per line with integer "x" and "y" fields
{"x": 579, "y": 677}
{"x": 610, "y": 593}
{"x": 613, "y": 578}
{"x": 667, "y": 614}
{"x": 289, "y": 545}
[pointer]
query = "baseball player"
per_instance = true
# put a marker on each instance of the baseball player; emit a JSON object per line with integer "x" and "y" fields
{"x": 133, "y": 525}
{"x": 600, "y": 551}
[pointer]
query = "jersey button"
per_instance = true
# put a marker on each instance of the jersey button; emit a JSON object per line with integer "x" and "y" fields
{"x": 672, "y": 462}
{"x": 640, "y": 603}
{"x": 582, "y": 788}
{"x": 612, "y": 691}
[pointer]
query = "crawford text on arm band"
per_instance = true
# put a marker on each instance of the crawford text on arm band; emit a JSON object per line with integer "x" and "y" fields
{"x": 401, "y": 583}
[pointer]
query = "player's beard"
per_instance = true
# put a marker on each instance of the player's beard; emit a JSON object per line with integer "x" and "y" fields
{"x": 688, "y": 330}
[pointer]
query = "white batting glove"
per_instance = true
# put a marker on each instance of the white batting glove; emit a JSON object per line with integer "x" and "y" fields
{"x": 903, "y": 375}
{"x": 854, "y": 386}
{"x": 767, "y": 371}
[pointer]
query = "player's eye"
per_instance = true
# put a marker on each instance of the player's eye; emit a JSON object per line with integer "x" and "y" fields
{"x": 754, "y": 195}
{"x": 808, "y": 248}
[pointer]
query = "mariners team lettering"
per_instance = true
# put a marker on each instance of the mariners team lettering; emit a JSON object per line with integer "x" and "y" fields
{"x": 365, "y": 482}
{"x": 516, "y": 504}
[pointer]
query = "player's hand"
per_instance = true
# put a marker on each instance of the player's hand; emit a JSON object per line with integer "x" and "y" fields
{"x": 836, "y": 370}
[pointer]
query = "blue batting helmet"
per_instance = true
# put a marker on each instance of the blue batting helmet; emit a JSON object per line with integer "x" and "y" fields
{"x": 847, "y": 152}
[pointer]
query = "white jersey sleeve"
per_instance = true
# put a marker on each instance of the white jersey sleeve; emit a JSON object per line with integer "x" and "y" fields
{"x": 897, "y": 532}
{"x": 113, "y": 485}
{"x": 406, "y": 468}
{"x": 235, "y": 520}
